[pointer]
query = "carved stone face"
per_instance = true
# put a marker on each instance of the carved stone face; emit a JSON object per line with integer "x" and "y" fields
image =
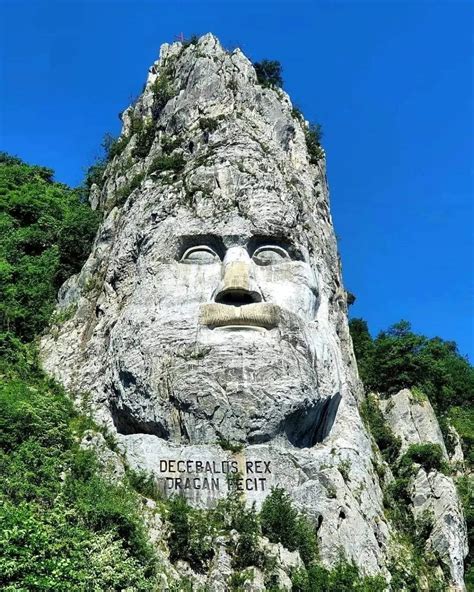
{"x": 217, "y": 340}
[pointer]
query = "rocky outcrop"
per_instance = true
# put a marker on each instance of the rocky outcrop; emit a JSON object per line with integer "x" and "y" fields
{"x": 435, "y": 499}
{"x": 433, "y": 494}
{"x": 411, "y": 417}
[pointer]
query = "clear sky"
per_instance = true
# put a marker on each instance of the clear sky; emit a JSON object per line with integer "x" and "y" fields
{"x": 390, "y": 82}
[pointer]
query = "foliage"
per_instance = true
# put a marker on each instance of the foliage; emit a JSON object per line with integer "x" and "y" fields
{"x": 114, "y": 146}
{"x": 122, "y": 194}
{"x": 168, "y": 145}
{"x": 163, "y": 91}
{"x": 17, "y": 359}
{"x": 46, "y": 234}
{"x": 297, "y": 114}
{"x": 174, "y": 162}
{"x": 229, "y": 445}
{"x": 144, "y": 140}
{"x": 95, "y": 175}
{"x": 462, "y": 418}
{"x": 46, "y": 551}
{"x": 144, "y": 483}
{"x": 350, "y": 298}
{"x": 192, "y": 534}
{"x": 313, "y": 135}
{"x": 447, "y": 433}
{"x": 6, "y": 158}
{"x": 269, "y": 73}
{"x": 63, "y": 526}
{"x": 208, "y": 124}
{"x": 282, "y": 523}
{"x": 191, "y": 40}
{"x": 363, "y": 349}
{"x": 344, "y": 468}
{"x": 30, "y": 413}
{"x": 397, "y": 501}
{"x": 399, "y": 358}
{"x": 428, "y": 455}
{"x": 245, "y": 521}
{"x": 345, "y": 577}
{"x": 419, "y": 562}
{"x": 388, "y": 443}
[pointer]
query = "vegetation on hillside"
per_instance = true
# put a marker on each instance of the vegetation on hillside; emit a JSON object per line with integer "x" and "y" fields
{"x": 398, "y": 358}
{"x": 194, "y": 533}
{"x": 63, "y": 526}
{"x": 432, "y": 368}
{"x": 46, "y": 232}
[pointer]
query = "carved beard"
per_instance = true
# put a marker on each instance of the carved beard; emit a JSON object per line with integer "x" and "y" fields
{"x": 244, "y": 386}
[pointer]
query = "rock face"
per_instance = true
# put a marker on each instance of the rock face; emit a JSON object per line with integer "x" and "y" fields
{"x": 212, "y": 309}
{"x": 412, "y": 419}
{"x": 209, "y": 325}
{"x": 433, "y": 494}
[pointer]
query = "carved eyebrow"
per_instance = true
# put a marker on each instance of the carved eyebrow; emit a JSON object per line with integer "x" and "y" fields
{"x": 189, "y": 241}
{"x": 258, "y": 241}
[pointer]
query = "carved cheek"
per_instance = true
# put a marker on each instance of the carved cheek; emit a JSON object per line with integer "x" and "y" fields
{"x": 194, "y": 283}
{"x": 293, "y": 287}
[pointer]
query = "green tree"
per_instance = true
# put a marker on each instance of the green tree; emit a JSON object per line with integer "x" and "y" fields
{"x": 398, "y": 358}
{"x": 46, "y": 234}
{"x": 363, "y": 349}
{"x": 269, "y": 73}
{"x": 282, "y": 523}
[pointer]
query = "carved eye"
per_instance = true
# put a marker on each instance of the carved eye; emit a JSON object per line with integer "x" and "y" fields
{"x": 200, "y": 255}
{"x": 270, "y": 255}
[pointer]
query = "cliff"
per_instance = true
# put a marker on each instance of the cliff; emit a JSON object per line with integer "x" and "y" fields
{"x": 208, "y": 329}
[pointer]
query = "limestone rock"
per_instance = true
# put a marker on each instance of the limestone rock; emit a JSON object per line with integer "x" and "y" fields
{"x": 457, "y": 456}
{"x": 220, "y": 571}
{"x": 435, "y": 498}
{"x": 434, "y": 494}
{"x": 110, "y": 462}
{"x": 411, "y": 417}
{"x": 210, "y": 328}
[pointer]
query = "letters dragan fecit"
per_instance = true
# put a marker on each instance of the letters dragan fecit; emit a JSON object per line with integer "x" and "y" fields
{"x": 212, "y": 470}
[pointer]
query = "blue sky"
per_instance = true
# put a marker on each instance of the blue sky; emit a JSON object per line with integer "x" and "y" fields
{"x": 391, "y": 83}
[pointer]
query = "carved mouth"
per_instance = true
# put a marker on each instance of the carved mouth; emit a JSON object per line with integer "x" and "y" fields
{"x": 262, "y": 315}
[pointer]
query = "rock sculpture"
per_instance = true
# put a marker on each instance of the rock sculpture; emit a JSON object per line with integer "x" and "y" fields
{"x": 209, "y": 327}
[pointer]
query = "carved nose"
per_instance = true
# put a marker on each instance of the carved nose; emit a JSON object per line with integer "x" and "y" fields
{"x": 237, "y": 288}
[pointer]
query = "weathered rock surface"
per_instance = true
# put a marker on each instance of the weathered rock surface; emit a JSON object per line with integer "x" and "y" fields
{"x": 212, "y": 311}
{"x": 110, "y": 463}
{"x": 435, "y": 498}
{"x": 433, "y": 494}
{"x": 412, "y": 419}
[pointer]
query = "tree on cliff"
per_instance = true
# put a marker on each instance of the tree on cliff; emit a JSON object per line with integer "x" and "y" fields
{"x": 399, "y": 358}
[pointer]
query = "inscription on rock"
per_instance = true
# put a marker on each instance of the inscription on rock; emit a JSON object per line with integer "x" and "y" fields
{"x": 178, "y": 475}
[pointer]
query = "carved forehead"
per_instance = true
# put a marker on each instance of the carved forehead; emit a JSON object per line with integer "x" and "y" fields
{"x": 265, "y": 215}
{"x": 175, "y": 232}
